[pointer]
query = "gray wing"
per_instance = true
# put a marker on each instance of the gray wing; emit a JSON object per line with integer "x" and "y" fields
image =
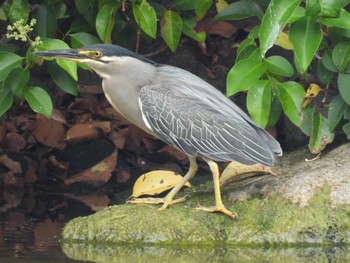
{"x": 197, "y": 128}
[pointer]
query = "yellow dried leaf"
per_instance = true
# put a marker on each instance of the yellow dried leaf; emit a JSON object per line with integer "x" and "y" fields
{"x": 156, "y": 182}
{"x": 220, "y": 5}
{"x": 311, "y": 93}
{"x": 283, "y": 41}
{"x": 235, "y": 171}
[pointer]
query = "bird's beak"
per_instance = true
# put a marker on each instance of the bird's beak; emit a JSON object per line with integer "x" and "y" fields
{"x": 68, "y": 54}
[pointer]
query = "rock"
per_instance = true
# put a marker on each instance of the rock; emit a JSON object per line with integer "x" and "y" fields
{"x": 307, "y": 204}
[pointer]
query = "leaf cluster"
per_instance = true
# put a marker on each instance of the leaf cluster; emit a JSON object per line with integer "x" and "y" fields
{"x": 317, "y": 34}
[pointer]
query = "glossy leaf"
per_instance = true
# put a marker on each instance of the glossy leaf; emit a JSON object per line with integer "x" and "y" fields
{"x": 327, "y": 62}
{"x": 329, "y": 8}
{"x": 6, "y": 100}
{"x": 63, "y": 80}
{"x": 320, "y": 134}
{"x": 146, "y": 16}
{"x": 283, "y": 41}
{"x": 16, "y": 10}
{"x": 291, "y": 95}
{"x": 38, "y": 100}
{"x": 46, "y": 22}
{"x": 188, "y": 25}
{"x": 17, "y": 79}
{"x": 105, "y": 22}
{"x": 279, "y": 65}
{"x": 240, "y": 10}
{"x": 343, "y": 21}
{"x": 243, "y": 75}
{"x": 203, "y": 8}
{"x": 275, "y": 18}
{"x": 346, "y": 130}
{"x": 83, "y": 39}
{"x": 324, "y": 75}
{"x": 336, "y": 111}
{"x": 306, "y": 36}
{"x": 275, "y": 111}
{"x": 186, "y": 5}
{"x": 259, "y": 102}
{"x": 83, "y": 5}
{"x": 171, "y": 29}
{"x": 341, "y": 55}
{"x": 343, "y": 86}
{"x": 306, "y": 120}
{"x": 8, "y": 62}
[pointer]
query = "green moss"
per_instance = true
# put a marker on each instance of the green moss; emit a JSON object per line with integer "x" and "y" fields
{"x": 273, "y": 221}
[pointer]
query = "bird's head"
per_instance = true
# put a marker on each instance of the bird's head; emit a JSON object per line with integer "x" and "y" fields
{"x": 98, "y": 57}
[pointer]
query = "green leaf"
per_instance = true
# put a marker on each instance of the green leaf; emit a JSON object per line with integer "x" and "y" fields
{"x": 186, "y": 5}
{"x": 306, "y": 120}
{"x": 341, "y": 55}
{"x": 38, "y": 100}
{"x": 298, "y": 13}
{"x": 83, "y": 39}
{"x": 324, "y": 75}
{"x": 51, "y": 44}
{"x": 274, "y": 20}
{"x": 188, "y": 25}
{"x": 250, "y": 51}
{"x": 343, "y": 86}
{"x": 203, "y": 8}
{"x": 275, "y": 111}
{"x": 146, "y": 16}
{"x": 323, "y": 8}
{"x": 306, "y": 36}
{"x": 336, "y": 111}
{"x": 243, "y": 75}
{"x": 343, "y": 21}
{"x": 6, "y": 100}
{"x": 46, "y": 22}
{"x": 63, "y": 80}
{"x": 346, "y": 130}
{"x": 320, "y": 135}
{"x": 17, "y": 79}
{"x": 291, "y": 95}
{"x": 69, "y": 66}
{"x": 16, "y": 10}
{"x": 105, "y": 22}
{"x": 83, "y": 5}
{"x": 343, "y": 3}
{"x": 171, "y": 29}
{"x": 8, "y": 62}
{"x": 327, "y": 62}
{"x": 259, "y": 102}
{"x": 240, "y": 10}
{"x": 279, "y": 65}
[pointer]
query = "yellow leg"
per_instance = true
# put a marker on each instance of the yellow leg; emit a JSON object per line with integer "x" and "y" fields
{"x": 169, "y": 198}
{"x": 219, "y": 206}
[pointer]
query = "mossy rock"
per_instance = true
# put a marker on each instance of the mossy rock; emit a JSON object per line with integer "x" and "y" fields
{"x": 267, "y": 219}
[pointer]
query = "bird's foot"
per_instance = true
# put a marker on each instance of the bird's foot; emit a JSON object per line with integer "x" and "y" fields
{"x": 154, "y": 201}
{"x": 220, "y": 209}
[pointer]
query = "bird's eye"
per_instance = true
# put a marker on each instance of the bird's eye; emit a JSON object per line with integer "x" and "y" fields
{"x": 97, "y": 54}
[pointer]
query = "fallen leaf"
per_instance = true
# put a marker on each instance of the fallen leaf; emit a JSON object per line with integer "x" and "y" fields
{"x": 118, "y": 139}
{"x": 236, "y": 171}
{"x": 87, "y": 105}
{"x": 94, "y": 201}
{"x": 211, "y": 27}
{"x": 13, "y": 142}
{"x": 173, "y": 152}
{"x": 10, "y": 164}
{"x": 156, "y": 182}
{"x": 97, "y": 175}
{"x": 90, "y": 89}
{"x": 87, "y": 130}
{"x": 48, "y": 132}
{"x": 123, "y": 176}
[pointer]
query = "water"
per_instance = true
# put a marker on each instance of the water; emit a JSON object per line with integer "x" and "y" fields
{"x": 29, "y": 232}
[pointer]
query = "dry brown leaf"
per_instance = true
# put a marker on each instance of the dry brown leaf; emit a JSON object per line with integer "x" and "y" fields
{"x": 88, "y": 130}
{"x": 97, "y": 175}
{"x": 221, "y": 28}
{"x": 10, "y": 164}
{"x": 123, "y": 176}
{"x": 48, "y": 132}
{"x": 13, "y": 142}
{"x": 94, "y": 201}
{"x": 118, "y": 139}
{"x": 173, "y": 152}
{"x": 87, "y": 105}
{"x": 235, "y": 171}
{"x": 90, "y": 89}
{"x": 156, "y": 182}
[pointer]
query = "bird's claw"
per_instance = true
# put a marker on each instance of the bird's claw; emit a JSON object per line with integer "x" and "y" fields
{"x": 220, "y": 209}
{"x": 155, "y": 201}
